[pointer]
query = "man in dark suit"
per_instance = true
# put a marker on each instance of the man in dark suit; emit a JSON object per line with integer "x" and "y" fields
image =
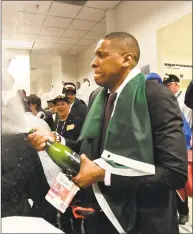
{"x": 134, "y": 152}
{"x": 77, "y": 109}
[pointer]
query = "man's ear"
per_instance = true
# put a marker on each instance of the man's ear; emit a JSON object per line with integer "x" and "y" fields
{"x": 128, "y": 60}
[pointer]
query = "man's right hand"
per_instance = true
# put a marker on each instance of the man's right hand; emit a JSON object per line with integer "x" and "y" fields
{"x": 39, "y": 138}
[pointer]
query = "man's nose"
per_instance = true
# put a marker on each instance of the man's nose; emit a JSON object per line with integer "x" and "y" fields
{"x": 94, "y": 63}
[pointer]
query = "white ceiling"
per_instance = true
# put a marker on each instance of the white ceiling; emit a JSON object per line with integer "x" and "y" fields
{"x": 54, "y": 28}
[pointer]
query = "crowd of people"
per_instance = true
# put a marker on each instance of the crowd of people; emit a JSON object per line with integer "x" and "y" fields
{"x": 132, "y": 138}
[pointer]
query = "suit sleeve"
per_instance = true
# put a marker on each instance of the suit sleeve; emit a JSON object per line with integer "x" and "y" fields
{"x": 189, "y": 96}
{"x": 74, "y": 145}
{"x": 169, "y": 144}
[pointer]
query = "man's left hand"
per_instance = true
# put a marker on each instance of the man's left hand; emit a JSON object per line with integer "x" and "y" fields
{"x": 89, "y": 173}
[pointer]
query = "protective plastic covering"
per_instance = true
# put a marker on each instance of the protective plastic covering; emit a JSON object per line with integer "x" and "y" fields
{"x": 51, "y": 170}
{"x": 86, "y": 89}
{"x": 17, "y": 224}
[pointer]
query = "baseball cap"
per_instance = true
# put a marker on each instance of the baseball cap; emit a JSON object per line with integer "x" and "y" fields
{"x": 170, "y": 78}
{"x": 69, "y": 88}
{"x": 60, "y": 98}
{"x": 153, "y": 76}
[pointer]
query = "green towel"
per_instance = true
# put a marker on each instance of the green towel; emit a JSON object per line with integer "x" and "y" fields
{"x": 128, "y": 143}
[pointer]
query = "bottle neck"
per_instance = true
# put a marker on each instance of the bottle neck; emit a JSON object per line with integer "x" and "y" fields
{"x": 49, "y": 143}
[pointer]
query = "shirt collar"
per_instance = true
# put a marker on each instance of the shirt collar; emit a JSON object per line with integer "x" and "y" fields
{"x": 71, "y": 105}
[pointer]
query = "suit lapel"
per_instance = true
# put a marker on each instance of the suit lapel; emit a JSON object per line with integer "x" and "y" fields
{"x": 68, "y": 122}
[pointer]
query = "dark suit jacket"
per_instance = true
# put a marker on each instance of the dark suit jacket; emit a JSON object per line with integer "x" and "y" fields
{"x": 189, "y": 96}
{"x": 78, "y": 110}
{"x": 23, "y": 178}
{"x": 71, "y": 134}
{"x": 156, "y": 202}
{"x": 48, "y": 118}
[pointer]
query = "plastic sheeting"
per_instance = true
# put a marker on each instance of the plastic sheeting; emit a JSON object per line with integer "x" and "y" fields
{"x": 51, "y": 170}
{"x": 17, "y": 224}
{"x": 86, "y": 89}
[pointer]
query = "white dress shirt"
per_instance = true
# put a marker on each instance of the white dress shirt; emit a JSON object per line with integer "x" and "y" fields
{"x": 71, "y": 105}
{"x": 185, "y": 110}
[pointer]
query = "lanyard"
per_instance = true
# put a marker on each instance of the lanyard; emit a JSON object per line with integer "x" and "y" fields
{"x": 62, "y": 127}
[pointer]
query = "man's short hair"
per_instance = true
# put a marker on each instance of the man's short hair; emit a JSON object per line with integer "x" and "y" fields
{"x": 129, "y": 40}
{"x": 34, "y": 99}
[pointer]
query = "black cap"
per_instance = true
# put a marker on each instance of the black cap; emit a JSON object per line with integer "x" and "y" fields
{"x": 170, "y": 78}
{"x": 50, "y": 101}
{"x": 69, "y": 88}
{"x": 60, "y": 98}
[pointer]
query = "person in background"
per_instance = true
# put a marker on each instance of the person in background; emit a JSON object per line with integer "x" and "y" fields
{"x": 154, "y": 76}
{"x": 189, "y": 96}
{"x": 36, "y": 106}
{"x": 173, "y": 83}
{"x": 133, "y": 149}
{"x": 37, "y": 110}
{"x": 68, "y": 126}
{"x": 21, "y": 93}
{"x": 77, "y": 109}
{"x": 49, "y": 105}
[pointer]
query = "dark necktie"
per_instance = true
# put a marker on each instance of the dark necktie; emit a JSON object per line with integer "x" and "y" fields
{"x": 107, "y": 116}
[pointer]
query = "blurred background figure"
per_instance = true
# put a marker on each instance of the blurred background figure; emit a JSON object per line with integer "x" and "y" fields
{"x": 35, "y": 106}
{"x": 37, "y": 110}
{"x": 154, "y": 76}
{"x": 21, "y": 93}
{"x": 173, "y": 83}
{"x": 49, "y": 105}
{"x": 77, "y": 109}
{"x": 189, "y": 96}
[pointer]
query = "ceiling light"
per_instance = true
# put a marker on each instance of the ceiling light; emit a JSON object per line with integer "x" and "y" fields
{"x": 72, "y": 2}
{"x": 17, "y": 44}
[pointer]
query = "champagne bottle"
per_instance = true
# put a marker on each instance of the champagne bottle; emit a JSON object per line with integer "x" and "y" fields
{"x": 63, "y": 156}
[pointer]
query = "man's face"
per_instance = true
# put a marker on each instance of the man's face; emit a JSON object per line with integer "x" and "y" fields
{"x": 33, "y": 107}
{"x": 107, "y": 64}
{"x": 174, "y": 87}
{"x": 62, "y": 108}
{"x": 70, "y": 96}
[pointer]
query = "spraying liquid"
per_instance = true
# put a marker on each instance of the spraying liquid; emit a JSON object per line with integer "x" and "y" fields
{"x": 15, "y": 120}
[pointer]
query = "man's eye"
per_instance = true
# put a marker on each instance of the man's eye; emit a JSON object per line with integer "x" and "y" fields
{"x": 101, "y": 55}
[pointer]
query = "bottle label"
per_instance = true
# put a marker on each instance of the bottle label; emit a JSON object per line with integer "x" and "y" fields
{"x": 61, "y": 192}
